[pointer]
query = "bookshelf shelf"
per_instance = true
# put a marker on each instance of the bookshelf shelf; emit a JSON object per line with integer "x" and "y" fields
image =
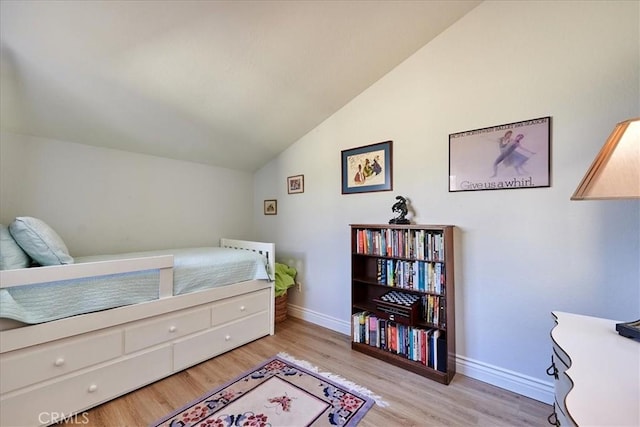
{"x": 402, "y": 296}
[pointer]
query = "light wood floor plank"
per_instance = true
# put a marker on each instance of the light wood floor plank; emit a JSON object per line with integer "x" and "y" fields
{"x": 413, "y": 400}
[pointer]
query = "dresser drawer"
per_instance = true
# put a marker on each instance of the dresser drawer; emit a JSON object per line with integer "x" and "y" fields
{"x": 205, "y": 345}
{"x": 152, "y": 332}
{"x": 562, "y": 420}
{"x": 563, "y": 385}
{"x": 560, "y": 355}
{"x": 239, "y": 307}
{"x": 84, "y": 390}
{"x": 28, "y": 366}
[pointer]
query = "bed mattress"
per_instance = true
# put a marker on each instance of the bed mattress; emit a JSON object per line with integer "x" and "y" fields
{"x": 195, "y": 269}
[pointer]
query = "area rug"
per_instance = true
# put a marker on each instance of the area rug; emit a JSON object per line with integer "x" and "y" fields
{"x": 280, "y": 392}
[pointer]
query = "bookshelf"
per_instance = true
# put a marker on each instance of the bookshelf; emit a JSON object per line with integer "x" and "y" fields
{"x": 402, "y": 296}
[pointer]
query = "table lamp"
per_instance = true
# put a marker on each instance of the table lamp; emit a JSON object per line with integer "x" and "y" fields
{"x": 615, "y": 174}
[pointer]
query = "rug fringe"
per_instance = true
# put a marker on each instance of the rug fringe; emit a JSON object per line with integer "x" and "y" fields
{"x": 336, "y": 378}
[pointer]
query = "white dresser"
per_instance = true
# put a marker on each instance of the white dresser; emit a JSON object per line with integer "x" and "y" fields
{"x": 597, "y": 373}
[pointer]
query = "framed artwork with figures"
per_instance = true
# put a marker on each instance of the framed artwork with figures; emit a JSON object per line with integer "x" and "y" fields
{"x": 295, "y": 184}
{"x": 367, "y": 168}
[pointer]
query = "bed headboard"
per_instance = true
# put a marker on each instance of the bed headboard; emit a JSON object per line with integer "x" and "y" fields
{"x": 266, "y": 249}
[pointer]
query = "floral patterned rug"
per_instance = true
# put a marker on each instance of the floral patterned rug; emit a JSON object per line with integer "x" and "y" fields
{"x": 277, "y": 393}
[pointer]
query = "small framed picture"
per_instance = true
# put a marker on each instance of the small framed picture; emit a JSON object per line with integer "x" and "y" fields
{"x": 295, "y": 184}
{"x": 270, "y": 207}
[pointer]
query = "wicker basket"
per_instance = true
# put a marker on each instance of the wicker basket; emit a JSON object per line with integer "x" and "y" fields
{"x": 281, "y": 308}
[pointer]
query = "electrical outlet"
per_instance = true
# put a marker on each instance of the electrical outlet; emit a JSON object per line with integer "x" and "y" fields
{"x": 299, "y": 286}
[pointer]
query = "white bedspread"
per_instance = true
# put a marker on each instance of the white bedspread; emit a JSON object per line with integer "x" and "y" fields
{"x": 194, "y": 269}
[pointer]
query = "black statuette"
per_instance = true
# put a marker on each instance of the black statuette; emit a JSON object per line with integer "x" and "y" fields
{"x": 401, "y": 210}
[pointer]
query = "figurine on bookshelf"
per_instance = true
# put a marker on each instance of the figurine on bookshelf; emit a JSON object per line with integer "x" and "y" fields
{"x": 401, "y": 209}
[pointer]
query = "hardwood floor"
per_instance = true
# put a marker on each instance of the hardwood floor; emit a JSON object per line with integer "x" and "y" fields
{"x": 413, "y": 400}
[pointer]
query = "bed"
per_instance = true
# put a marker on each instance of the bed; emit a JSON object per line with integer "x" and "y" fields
{"x": 54, "y": 368}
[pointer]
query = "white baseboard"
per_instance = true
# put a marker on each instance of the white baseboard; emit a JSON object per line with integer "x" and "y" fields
{"x": 506, "y": 379}
{"x": 319, "y": 319}
{"x": 494, "y": 375}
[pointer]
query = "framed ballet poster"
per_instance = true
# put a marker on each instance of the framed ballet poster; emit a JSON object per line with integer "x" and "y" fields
{"x": 367, "y": 168}
{"x": 503, "y": 157}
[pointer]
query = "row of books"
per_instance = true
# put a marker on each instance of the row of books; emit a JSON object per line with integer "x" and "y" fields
{"x": 412, "y": 244}
{"x": 416, "y": 275}
{"x": 434, "y": 310}
{"x": 425, "y": 346}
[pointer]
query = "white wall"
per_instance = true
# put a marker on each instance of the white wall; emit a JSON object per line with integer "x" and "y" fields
{"x": 109, "y": 201}
{"x": 522, "y": 253}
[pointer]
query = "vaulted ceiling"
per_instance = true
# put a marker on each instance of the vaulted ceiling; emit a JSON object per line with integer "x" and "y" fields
{"x": 225, "y": 83}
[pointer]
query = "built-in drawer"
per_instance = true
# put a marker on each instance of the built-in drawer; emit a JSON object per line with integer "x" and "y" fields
{"x": 28, "y": 366}
{"x": 241, "y": 306}
{"x": 155, "y": 331}
{"x": 83, "y": 390}
{"x": 204, "y": 345}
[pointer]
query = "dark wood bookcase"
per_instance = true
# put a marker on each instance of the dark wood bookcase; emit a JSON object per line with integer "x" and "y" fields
{"x": 403, "y": 297}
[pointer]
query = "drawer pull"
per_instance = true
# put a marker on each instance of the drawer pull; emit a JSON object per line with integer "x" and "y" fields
{"x": 227, "y": 337}
{"x": 92, "y": 388}
{"x": 172, "y": 329}
{"x": 552, "y": 371}
{"x": 242, "y": 308}
{"x": 59, "y": 361}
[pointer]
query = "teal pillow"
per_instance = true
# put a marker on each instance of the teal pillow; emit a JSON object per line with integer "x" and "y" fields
{"x": 11, "y": 254}
{"x": 40, "y": 241}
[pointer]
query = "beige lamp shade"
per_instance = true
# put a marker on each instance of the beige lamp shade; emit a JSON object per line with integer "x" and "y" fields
{"x": 615, "y": 172}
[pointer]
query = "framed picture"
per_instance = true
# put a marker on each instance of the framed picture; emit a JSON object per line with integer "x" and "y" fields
{"x": 270, "y": 207}
{"x": 295, "y": 184}
{"x": 514, "y": 155}
{"x": 367, "y": 168}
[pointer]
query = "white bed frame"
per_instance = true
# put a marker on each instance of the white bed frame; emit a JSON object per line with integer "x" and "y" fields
{"x": 53, "y": 370}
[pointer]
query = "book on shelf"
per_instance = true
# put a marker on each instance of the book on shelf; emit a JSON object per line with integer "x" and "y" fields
{"x": 355, "y": 326}
{"x": 441, "y": 349}
{"x": 434, "y": 352}
{"x": 373, "y": 330}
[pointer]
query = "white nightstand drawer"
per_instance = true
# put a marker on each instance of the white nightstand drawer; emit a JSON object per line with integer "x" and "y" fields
{"x": 563, "y": 385}
{"x": 562, "y": 420}
{"x": 205, "y": 345}
{"x": 561, "y": 357}
{"x": 240, "y": 306}
{"x": 24, "y": 367}
{"x": 84, "y": 390}
{"x": 156, "y": 331}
